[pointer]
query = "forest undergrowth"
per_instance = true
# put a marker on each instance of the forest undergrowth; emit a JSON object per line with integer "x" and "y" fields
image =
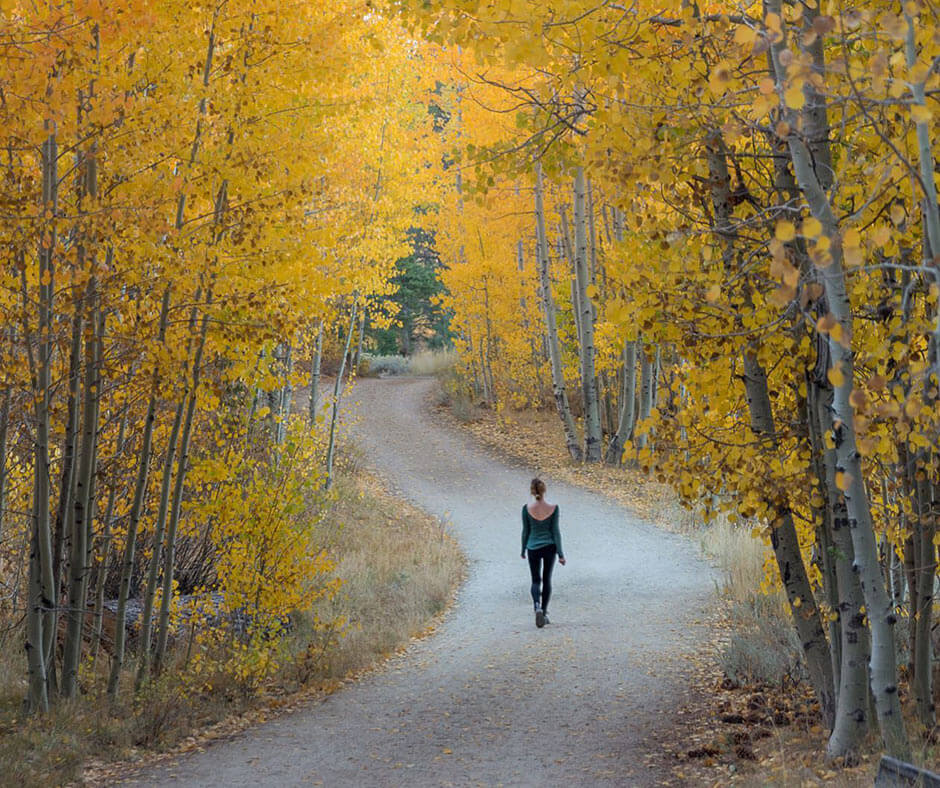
{"x": 753, "y": 719}
{"x": 379, "y": 608}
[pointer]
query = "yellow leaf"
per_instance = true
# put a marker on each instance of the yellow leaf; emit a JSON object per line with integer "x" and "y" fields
{"x": 920, "y": 114}
{"x": 898, "y": 214}
{"x": 591, "y": 291}
{"x": 851, "y": 239}
{"x": 793, "y": 97}
{"x": 713, "y": 293}
{"x": 843, "y": 480}
{"x": 785, "y": 231}
{"x": 745, "y": 36}
{"x": 811, "y": 227}
{"x": 836, "y": 378}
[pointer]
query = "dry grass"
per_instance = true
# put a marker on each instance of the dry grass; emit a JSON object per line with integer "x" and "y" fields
{"x": 399, "y": 568}
{"x": 432, "y": 362}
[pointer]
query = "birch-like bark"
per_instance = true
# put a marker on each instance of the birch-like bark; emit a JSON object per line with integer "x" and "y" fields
{"x": 626, "y": 420}
{"x": 559, "y": 390}
{"x": 923, "y": 669}
{"x": 107, "y": 526}
{"x": 137, "y": 507}
{"x": 851, "y": 721}
{"x": 627, "y": 416}
{"x": 823, "y": 513}
{"x": 647, "y": 384}
{"x": 362, "y": 333}
{"x": 153, "y": 569}
{"x": 41, "y": 622}
{"x": 286, "y": 397}
{"x": 315, "y": 364}
{"x": 4, "y": 431}
{"x": 569, "y": 252}
{"x": 65, "y": 509}
{"x": 930, "y": 208}
{"x": 786, "y": 547}
{"x": 81, "y": 517}
{"x": 169, "y": 551}
{"x": 883, "y": 667}
{"x": 337, "y": 390}
{"x": 926, "y": 573}
{"x": 592, "y": 422}
{"x": 784, "y": 538}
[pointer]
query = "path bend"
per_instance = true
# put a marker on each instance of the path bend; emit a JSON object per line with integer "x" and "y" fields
{"x": 489, "y": 699}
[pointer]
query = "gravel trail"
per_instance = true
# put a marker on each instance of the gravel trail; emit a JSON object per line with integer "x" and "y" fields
{"x": 490, "y": 699}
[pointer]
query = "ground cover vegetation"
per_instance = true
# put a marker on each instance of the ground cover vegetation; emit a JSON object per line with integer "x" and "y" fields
{"x": 710, "y": 234}
{"x": 202, "y": 206}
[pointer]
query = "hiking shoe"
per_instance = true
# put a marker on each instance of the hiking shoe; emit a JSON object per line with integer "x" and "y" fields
{"x": 540, "y": 619}
{"x": 545, "y": 618}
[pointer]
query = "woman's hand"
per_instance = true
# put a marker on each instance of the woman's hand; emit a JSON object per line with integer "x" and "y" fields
{"x": 562, "y": 561}
{"x": 523, "y": 555}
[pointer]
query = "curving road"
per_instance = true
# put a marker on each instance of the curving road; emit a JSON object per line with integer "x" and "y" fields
{"x": 490, "y": 699}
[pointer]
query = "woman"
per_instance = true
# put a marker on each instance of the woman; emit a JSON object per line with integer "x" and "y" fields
{"x": 542, "y": 540}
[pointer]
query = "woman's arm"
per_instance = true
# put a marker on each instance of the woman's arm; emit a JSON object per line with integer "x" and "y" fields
{"x": 525, "y": 530}
{"x": 556, "y": 535}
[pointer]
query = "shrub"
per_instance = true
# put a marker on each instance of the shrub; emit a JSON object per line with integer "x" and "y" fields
{"x": 383, "y": 366}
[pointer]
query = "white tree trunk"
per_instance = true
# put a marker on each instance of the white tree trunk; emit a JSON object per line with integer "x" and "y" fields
{"x": 559, "y": 390}
{"x": 337, "y": 391}
{"x": 84, "y": 500}
{"x": 625, "y": 423}
{"x": 592, "y": 421}
{"x": 137, "y": 508}
{"x": 883, "y": 667}
{"x": 315, "y": 378}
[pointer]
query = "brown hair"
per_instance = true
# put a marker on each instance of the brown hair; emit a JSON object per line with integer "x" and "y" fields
{"x": 537, "y": 488}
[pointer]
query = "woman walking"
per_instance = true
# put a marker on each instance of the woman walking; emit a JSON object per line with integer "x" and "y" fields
{"x": 541, "y": 539}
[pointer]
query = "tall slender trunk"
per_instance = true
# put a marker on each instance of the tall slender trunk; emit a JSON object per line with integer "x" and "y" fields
{"x": 362, "y": 333}
{"x": 927, "y": 522}
{"x": 883, "y": 668}
{"x": 169, "y": 551}
{"x": 921, "y": 617}
{"x": 81, "y": 517}
{"x": 65, "y": 511}
{"x": 107, "y": 523}
{"x": 337, "y": 389}
{"x": 626, "y": 420}
{"x": 823, "y": 514}
{"x": 784, "y": 537}
{"x": 647, "y": 385}
{"x": 592, "y": 422}
{"x": 568, "y": 248}
{"x": 315, "y": 378}
{"x": 931, "y": 210}
{"x": 137, "y": 508}
{"x": 41, "y": 621}
{"x": 286, "y": 396}
{"x": 851, "y": 722}
{"x": 159, "y": 529}
{"x": 559, "y": 390}
{"x": 4, "y": 431}
{"x": 153, "y": 570}
{"x": 786, "y": 547}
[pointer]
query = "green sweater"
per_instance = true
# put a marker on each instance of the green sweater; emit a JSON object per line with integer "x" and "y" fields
{"x": 540, "y": 533}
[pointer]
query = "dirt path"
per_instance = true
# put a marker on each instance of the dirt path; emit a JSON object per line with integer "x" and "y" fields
{"x": 490, "y": 699}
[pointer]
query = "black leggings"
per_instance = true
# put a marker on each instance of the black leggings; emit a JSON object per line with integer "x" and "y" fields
{"x": 541, "y": 563}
